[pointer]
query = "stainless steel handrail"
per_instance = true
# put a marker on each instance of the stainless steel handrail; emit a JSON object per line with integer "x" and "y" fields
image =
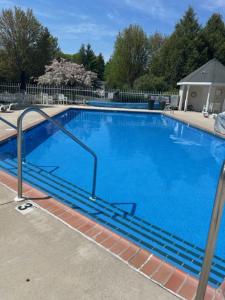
{"x": 212, "y": 235}
{"x": 68, "y": 133}
{"x": 8, "y": 123}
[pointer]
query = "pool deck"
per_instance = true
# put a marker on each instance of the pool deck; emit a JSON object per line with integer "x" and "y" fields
{"x": 53, "y": 252}
{"x": 43, "y": 259}
{"x": 193, "y": 118}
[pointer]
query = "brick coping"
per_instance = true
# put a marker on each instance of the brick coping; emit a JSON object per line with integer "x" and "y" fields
{"x": 146, "y": 263}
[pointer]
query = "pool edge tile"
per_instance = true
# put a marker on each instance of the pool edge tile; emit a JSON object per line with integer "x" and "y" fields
{"x": 139, "y": 259}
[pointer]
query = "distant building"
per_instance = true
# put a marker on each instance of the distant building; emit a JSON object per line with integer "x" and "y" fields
{"x": 204, "y": 89}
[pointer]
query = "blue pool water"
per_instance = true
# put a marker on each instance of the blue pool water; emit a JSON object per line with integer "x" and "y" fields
{"x": 156, "y": 178}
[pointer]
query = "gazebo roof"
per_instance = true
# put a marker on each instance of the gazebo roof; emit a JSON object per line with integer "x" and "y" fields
{"x": 213, "y": 72}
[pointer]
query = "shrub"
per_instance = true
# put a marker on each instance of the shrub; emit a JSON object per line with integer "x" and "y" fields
{"x": 150, "y": 83}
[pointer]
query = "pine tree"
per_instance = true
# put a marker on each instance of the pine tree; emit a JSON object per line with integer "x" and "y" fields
{"x": 46, "y": 50}
{"x": 82, "y": 59}
{"x": 100, "y": 67}
{"x": 180, "y": 54}
{"x": 86, "y": 57}
{"x": 91, "y": 63}
{"x": 213, "y": 39}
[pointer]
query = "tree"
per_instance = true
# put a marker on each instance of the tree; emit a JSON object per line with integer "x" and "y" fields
{"x": 82, "y": 59}
{"x": 87, "y": 58}
{"x": 25, "y": 44}
{"x": 180, "y": 53}
{"x": 66, "y": 56}
{"x": 100, "y": 67}
{"x": 45, "y": 50}
{"x": 212, "y": 39}
{"x": 149, "y": 82}
{"x": 62, "y": 72}
{"x": 110, "y": 76}
{"x": 130, "y": 57}
{"x": 91, "y": 63}
{"x": 156, "y": 41}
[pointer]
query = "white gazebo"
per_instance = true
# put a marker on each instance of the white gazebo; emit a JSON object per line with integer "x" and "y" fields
{"x": 204, "y": 89}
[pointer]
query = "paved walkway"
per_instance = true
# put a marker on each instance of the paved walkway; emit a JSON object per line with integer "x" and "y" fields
{"x": 43, "y": 259}
{"x": 194, "y": 118}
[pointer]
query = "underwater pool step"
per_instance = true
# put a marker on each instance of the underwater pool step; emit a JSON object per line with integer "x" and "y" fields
{"x": 113, "y": 219}
{"x": 135, "y": 220}
{"x": 194, "y": 250}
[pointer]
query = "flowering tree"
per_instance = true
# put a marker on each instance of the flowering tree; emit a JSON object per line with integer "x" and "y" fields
{"x": 65, "y": 72}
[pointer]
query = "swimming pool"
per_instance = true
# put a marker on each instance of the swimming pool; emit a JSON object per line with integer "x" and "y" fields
{"x": 155, "y": 184}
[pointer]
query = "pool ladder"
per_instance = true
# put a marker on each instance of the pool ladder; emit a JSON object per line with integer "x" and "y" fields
{"x": 65, "y": 131}
{"x": 212, "y": 235}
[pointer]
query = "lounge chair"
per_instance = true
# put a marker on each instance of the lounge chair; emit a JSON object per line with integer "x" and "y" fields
{"x": 46, "y": 99}
{"x": 61, "y": 99}
{"x": 173, "y": 104}
{"x": 169, "y": 107}
{"x": 7, "y": 107}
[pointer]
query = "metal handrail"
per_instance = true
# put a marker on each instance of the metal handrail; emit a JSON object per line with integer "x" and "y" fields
{"x": 68, "y": 133}
{"x": 212, "y": 235}
{"x": 8, "y": 123}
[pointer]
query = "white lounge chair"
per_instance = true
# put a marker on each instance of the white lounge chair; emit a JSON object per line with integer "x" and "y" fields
{"x": 61, "y": 99}
{"x": 7, "y": 107}
{"x": 45, "y": 99}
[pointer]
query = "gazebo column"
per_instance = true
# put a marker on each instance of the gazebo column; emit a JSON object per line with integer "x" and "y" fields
{"x": 208, "y": 98}
{"x": 186, "y": 99}
{"x": 181, "y": 95}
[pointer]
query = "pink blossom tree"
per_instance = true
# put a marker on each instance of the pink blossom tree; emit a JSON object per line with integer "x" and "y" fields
{"x": 63, "y": 72}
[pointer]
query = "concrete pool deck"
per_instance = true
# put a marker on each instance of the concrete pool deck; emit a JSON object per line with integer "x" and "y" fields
{"x": 41, "y": 258}
{"x": 192, "y": 118}
{"x": 58, "y": 262}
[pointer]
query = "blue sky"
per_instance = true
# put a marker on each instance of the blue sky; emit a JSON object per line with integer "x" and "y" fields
{"x": 98, "y": 21}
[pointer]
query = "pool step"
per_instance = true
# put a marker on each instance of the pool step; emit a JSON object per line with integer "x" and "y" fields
{"x": 149, "y": 236}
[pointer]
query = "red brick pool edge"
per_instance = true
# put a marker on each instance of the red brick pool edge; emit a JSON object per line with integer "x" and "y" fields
{"x": 162, "y": 273}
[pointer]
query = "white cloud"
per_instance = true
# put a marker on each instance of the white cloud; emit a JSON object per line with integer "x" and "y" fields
{"x": 157, "y": 9}
{"x": 214, "y": 5}
{"x": 6, "y": 4}
{"x": 79, "y": 16}
{"x": 92, "y": 29}
{"x": 45, "y": 14}
{"x": 110, "y": 16}
{"x": 61, "y": 14}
